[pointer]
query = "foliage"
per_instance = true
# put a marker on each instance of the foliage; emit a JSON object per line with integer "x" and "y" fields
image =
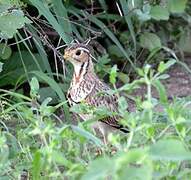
{"x": 141, "y": 39}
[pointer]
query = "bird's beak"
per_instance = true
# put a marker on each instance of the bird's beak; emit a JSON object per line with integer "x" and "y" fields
{"x": 66, "y": 56}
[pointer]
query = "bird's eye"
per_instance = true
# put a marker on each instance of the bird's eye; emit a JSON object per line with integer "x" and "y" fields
{"x": 78, "y": 52}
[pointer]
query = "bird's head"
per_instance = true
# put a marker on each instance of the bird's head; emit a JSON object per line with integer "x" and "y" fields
{"x": 80, "y": 57}
{"x": 77, "y": 54}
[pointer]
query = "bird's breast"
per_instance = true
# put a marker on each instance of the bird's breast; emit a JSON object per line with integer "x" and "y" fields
{"x": 79, "y": 92}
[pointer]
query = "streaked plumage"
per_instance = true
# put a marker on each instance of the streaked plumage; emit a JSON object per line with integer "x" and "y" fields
{"x": 87, "y": 87}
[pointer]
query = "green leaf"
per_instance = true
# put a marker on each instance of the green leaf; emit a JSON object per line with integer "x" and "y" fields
{"x": 34, "y": 85}
{"x": 134, "y": 156}
{"x": 150, "y": 41}
{"x": 170, "y": 150}
{"x": 159, "y": 13}
{"x": 4, "y": 150}
{"x": 114, "y": 50}
{"x": 5, "y": 5}
{"x": 122, "y": 105}
{"x": 164, "y": 66}
{"x": 113, "y": 74}
{"x": 59, "y": 158}
{"x": 162, "y": 92}
{"x": 100, "y": 169}
{"x": 147, "y": 105}
{"x": 36, "y": 165}
{"x": 163, "y": 76}
{"x": 45, "y": 92}
{"x": 5, "y": 51}
{"x": 87, "y": 135}
{"x": 45, "y": 109}
{"x": 176, "y": 6}
{"x": 144, "y": 15}
{"x": 9, "y": 23}
{"x": 55, "y": 86}
{"x": 123, "y": 77}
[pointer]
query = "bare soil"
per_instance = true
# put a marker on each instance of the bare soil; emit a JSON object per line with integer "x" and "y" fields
{"x": 177, "y": 85}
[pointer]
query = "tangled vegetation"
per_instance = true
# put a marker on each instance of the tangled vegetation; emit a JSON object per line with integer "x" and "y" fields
{"x": 135, "y": 43}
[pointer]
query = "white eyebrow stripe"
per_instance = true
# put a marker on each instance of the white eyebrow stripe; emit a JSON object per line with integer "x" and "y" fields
{"x": 84, "y": 49}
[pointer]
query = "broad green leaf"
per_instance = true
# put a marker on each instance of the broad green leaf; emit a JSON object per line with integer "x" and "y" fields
{"x": 126, "y": 171}
{"x": 5, "y": 51}
{"x": 159, "y": 13}
{"x": 10, "y": 23}
{"x": 170, "y": 150}
{"x": 5, "y": 5}
{"x": 131, "y": 172}
{"x": 100, "y": 169}
{"x": 150, "y": 41}
{"x": 176, "y": 6}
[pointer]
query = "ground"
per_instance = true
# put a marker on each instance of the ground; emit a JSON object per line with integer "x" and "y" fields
{"x": 177, "y": 85}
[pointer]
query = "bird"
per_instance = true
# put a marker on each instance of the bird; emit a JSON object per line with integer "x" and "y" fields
{"x": 86, "y": 87}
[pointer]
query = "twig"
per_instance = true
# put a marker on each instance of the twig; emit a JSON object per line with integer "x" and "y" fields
{"x": 29, "y": 37}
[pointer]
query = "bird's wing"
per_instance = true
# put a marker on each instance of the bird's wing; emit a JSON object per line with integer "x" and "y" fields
{"x": 99, "y": 98}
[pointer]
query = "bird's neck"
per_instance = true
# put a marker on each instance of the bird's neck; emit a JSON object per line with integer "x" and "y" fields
{"x": 81, "y": 70}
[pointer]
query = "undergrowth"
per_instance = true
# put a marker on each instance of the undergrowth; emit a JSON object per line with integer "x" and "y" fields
{"x": 136, "y": 42}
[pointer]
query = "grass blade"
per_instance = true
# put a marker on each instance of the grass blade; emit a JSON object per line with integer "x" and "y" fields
{"x": 44, "y": 10}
